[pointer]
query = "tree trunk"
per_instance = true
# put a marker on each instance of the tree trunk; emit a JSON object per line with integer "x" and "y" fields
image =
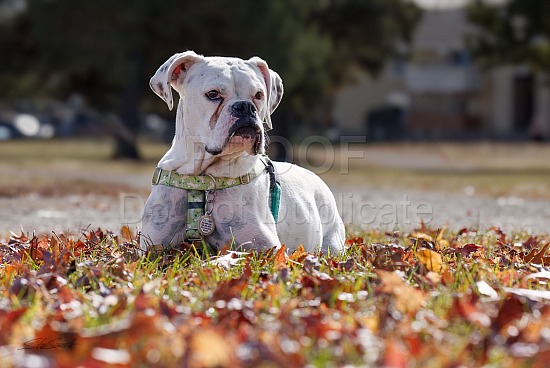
{"x": 327, "y": 112}
{"x": 127, "y": 127}
{"x": 328, "y": 124}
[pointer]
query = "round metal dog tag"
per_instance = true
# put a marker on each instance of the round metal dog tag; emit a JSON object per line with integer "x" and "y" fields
{"x": 206, "y": 225}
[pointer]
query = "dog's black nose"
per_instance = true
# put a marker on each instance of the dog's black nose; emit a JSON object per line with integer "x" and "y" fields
{"x": 242, "y": 109}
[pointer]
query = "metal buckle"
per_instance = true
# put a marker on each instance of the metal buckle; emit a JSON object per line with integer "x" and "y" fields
{"x": 156, "y": 175}
{"x": 212, "y": 185}
{"x": 245, "y": 179}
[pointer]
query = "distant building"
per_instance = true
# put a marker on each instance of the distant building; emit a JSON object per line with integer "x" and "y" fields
{"x": 441, "y": 93}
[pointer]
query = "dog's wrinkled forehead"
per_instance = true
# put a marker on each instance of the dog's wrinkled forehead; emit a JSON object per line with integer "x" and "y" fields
{"x": 230, "y": 76}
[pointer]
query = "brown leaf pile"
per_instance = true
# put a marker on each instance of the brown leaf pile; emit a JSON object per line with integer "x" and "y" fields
{"x": 428, "y": 298}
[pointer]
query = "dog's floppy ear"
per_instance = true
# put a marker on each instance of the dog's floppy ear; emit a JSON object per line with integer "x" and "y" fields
{"x": 274, "y": 88}
{"x": 170, "y": 72}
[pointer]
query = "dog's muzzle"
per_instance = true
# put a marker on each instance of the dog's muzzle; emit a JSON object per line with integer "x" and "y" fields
{"x": 247, "y": 124}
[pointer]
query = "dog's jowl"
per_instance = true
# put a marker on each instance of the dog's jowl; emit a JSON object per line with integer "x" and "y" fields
{"x": 215, "y": 184}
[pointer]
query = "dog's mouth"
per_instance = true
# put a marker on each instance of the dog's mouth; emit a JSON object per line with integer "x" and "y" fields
{"x": 245, "y": 134}
{"x": 245, "y": 127}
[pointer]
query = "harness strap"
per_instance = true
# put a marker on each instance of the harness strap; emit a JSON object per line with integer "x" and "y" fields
{"x": 195, "y": 209}
{"x": 197, "y": 185}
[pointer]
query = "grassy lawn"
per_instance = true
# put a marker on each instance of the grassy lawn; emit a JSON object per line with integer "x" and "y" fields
{"x": 505, "y": 169}
{"x": 487, "y": 169}
{"x": 72, "y": 167}
{"x": 424, "y": 298}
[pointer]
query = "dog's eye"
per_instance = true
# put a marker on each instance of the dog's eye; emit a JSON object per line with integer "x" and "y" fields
{"x": 259, "y": 95}
{"x": 213, "y": 95}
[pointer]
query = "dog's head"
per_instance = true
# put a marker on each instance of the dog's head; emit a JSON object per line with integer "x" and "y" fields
{"x": 225, "y": 103}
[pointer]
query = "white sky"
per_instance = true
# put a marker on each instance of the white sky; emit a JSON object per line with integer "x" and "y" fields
{"x": 446, "y": 4}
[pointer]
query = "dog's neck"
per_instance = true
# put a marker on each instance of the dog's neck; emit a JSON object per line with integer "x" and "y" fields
{"x": 188, "y": 156}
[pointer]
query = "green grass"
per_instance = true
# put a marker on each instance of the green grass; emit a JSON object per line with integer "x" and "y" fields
{"x": 486, "y": 169}
{"x": 402, "y": 299}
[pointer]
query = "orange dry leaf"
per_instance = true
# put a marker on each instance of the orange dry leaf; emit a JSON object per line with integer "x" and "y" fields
{"x": 280, "y": 258}
{"x": 274, "y": 290}
{"x": 210, "y": 349}
{"x": 233, "y": 288}
{"x": 8, "y": 270}
{"x": 390, "y": 281}
{"x": 126, "y": 233}
{"x": 432, "y": 260}
{"x": 422, "y": 236}
{"x": 440, "y": 242}
{"x": 408, "y": 299}
{"x": 434, "y": 277}
{"x": 370, "y": 322}
{"x": 443, "y": 244}
{"x": 299, "y": 254}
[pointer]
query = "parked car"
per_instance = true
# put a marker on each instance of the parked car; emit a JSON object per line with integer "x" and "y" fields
{"x": 8, "y": 131}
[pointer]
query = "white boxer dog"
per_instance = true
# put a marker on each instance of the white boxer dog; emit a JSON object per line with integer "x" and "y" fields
{"x": 215, "y": 184}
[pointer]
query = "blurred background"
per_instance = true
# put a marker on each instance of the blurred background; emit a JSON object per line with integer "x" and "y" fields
{"x": 444, "y": 95}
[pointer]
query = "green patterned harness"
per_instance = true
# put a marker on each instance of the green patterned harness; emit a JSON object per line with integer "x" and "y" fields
{"x": 201, "y": 188}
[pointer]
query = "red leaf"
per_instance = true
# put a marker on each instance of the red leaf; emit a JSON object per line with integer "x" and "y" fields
{"x": 247, "y": 271}
{"x": 225, "y": 248}
{"x": 358, "y": 240}
{"x": 466, "y": 308}
{"x": 230, "y": 289}
{"x": 395, "y": 355}
{"x": 531, "y": 243}
{"x": 500, "y": 233}
{"x": 510, "y": 310}
{"x": 167, "y": 310}
{"x": 467, "y": 249}
{"x": 537, "y": 257}
{"x": 7, "y": 319}
{"x": 143, "y": 301}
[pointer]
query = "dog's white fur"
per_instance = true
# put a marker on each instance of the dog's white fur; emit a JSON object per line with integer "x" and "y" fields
{"x": 203, "y": 144}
